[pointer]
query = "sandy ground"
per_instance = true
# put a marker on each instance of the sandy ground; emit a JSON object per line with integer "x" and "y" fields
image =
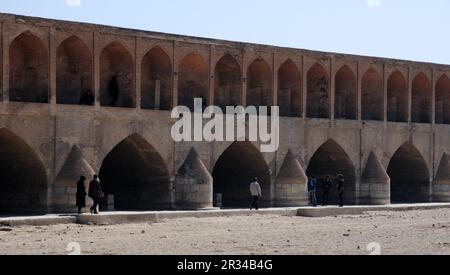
{"x": 415, "y": 232}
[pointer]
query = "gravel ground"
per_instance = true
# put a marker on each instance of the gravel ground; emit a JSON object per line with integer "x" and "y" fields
{"x": 415, "y": 232}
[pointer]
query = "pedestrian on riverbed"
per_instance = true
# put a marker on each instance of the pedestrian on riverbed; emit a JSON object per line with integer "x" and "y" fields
{"x": 255, "y": 191}
{"x": 326, "y": 188}
{"x": 81, "y": 194}
{"x": 340, "y": 187}
{"x": 95, "y": 193}
{"x": 312, "y": 188}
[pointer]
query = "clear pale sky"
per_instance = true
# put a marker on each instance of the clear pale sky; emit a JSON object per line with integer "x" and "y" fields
{"x": 405, "y": 29}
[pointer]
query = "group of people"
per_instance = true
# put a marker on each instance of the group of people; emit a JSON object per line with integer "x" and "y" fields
{"x": 326, "y": 185}
{"x": 94, "y": 192}
{"x": 88, "y": 98}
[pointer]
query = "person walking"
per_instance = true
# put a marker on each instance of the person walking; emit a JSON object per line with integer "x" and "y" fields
{"x": 326, "y": 187}
{"x": 81, "y": 194}
{"x": 95, "y": 193}
{"x": 340, "y": 187}
{"x": 312, "y": 187}
{"x": 255, "y": 191}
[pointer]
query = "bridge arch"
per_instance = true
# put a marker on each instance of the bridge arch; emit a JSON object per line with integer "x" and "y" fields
{"x": 318, "y": 92}
{"x": 289, "y": 89}
{"x": 372, "y": 96}
{"x": 156, "y": 80}
{"x": 235, "y": 169}
{"x": 397, "y": 98}
{"x": 346, "y": 98}
{"x": 259, "y": 83}
{"x": 29, "y": 69}
{"x": 136, "y": 175}
{"x": 228, "y": 82}
{"x": 116, "y": 66}
{"x": 443, "y": 100}
{"x": 23, "y": 177}
{"x": 73, "y": 71}
{"x": 193, "y": 80}
{"x": 410, "y": 177}
{"x": 330, "y": 160}
{"x": 421, "y": 99}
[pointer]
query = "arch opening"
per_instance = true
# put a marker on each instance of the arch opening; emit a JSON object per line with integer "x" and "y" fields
{"x": 345, "y": 99}
{"x": 289, "y": 90}
{"x": 331, "y": 160}
{"x": 228, "y": 83}
{"x": 73, "y": 71}
{"x": 156, "y": 80}
{"x": 29, "y": 80}
{"x": 421, "y": 99}
{"x": 193, "y": 80}
{"x": 259, "y": 84}
{"x": 443, "y": 100}
{"x": 116, "y": 77}
{"x": 372, "y": 96}
{"x": 136, "y": 175}
{"x": 410, "y": 180}
{"x": 397, "y": 98}
{"x": 235, "y": 170}
{"x": 23, "y": 179}
{"x": 318, "y": 93}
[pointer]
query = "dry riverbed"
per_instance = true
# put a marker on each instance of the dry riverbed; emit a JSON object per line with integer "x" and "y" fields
{"x": 415, "y": 232}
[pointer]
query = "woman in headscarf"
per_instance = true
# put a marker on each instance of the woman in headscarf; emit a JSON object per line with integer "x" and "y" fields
{"x": 81, "y": 194}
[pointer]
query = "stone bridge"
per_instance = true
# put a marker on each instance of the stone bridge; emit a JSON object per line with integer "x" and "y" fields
{"x": 384, "y": 124}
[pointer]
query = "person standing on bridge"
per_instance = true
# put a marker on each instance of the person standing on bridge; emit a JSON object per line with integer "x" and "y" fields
{"x": 95, "y": 193}
{"x": 113, "y": 90}
{"x": 255, "y": 191}
{"x": 326, "y": 187}
{"x": 81, "y": 194}
{"x": 340, "y": 187}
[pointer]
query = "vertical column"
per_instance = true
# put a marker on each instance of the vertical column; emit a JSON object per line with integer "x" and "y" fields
{"x": 175, "y": 75}
{"x": 275, "y": 79}
{"x": 433, "y": 97}
{"x": 304, "y": 89}
{"x": 409, "y": 95}
{"x": 138, "y": 72}
{"x": 96, "y": 61}
{"x": 212, "y": 61}
{"x": 157, "y": 94}
{"x": 332, "y": 88}
{"x": 359, "y": 90}
{"x": 244, "y": 78}
{"x": 385, "y": 93}
{"x": 5, "y": 63}
{"x": 52, "y": 67}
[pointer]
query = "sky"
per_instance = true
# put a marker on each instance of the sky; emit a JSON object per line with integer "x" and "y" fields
{"x": 416, "y": 30}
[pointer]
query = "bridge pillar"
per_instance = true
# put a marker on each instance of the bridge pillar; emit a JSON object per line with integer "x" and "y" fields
{"x": 375, "y": 186}
{"x": 291, "y": 184}
{"x": 193, "y": 184}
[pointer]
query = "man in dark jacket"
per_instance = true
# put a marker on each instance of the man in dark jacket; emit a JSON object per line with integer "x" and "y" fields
{"x": 95, "y": 193}
{"x": 340, "y": 188}
{"x": 87, "y": 98}
{"x": 81, "y": 194}
{"x": 113, "y": 90}
{"x": 326, "y": 187}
